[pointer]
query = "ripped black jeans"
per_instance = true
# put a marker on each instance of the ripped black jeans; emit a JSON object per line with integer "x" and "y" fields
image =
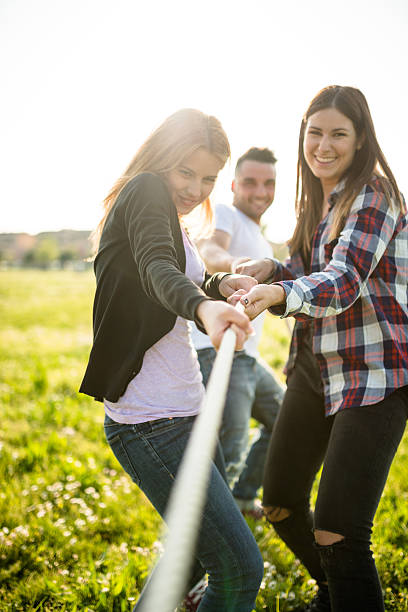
{"x": 356, "y": 447}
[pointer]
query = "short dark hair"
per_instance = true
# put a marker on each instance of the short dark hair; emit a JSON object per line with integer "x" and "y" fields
{"x": 264, "y": 156}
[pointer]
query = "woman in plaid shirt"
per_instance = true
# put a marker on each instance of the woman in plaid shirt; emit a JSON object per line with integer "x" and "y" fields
{"x": 346, "y": 403}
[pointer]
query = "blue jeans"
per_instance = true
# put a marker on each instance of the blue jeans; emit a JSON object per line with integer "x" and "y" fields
{"x": 356, "y": 447}
{"x": 254, "y": 392}
{"x": 151, "y": 453}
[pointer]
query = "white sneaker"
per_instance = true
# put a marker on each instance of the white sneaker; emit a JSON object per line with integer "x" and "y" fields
{"x": 250, "y": 507}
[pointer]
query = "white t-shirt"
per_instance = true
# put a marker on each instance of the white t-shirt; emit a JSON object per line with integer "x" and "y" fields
{"x": 169, "y": 383}
{"x": 247, "y": 240}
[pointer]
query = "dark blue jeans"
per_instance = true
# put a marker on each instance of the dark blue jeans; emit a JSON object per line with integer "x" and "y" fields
{"x": 151, "y": 453}
{"x": 357, "y": 447}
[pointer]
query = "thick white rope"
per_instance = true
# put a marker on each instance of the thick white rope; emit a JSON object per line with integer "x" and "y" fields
{"x": 183, "y": 515}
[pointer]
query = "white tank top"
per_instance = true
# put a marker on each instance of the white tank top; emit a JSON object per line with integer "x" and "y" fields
{"x": 169, "y": 383}
{"x": 246, "y": 239}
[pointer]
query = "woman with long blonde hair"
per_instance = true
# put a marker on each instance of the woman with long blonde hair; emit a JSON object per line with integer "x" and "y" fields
{"x": 142, "y": 366}
{"x": 346, "y": 402}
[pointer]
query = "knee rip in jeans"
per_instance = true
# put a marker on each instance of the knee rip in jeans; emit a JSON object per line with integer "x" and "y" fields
{"x": 275, "y": 514}
{"x": 327, "y": 538}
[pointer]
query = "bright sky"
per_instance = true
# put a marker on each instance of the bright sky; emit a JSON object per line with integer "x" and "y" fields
{"x": 86, "y": 81}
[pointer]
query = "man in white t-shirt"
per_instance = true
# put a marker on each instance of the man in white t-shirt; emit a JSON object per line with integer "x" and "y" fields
{"x": 253, "y": 389}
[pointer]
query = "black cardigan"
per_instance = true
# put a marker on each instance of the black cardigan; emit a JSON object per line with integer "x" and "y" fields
{"x": 140, "y": 285}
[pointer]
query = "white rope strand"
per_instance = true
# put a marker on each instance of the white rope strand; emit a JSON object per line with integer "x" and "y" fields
{"x": 183, "y": 515}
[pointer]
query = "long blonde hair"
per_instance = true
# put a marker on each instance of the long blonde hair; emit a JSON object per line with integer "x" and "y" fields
{"x": 368, "y": 160}
{"x": 179, "y": 136}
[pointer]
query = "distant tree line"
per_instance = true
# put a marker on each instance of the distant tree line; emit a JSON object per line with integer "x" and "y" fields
{"x": 46, "y": 253}
{"x": 65, "y": 249}
{"x": 62, "y": 249}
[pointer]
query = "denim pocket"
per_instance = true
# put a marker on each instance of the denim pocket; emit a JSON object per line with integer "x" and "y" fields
{"x": 112, "y": 427}
{"x": 124, "y": 458}
{"x": 158, "y": 427}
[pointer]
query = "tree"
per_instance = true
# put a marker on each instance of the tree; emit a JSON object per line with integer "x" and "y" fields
{"x": 66, "y": 256}
{"x": 44, "y": 253}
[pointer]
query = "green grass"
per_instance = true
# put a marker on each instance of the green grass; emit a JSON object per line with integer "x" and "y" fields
{"x": 75, "y": 533}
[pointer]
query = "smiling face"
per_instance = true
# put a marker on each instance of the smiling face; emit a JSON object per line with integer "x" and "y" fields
{"x": 329, "y": 145}
{"x": 192, "y": 181}
{"x": 254, "y": 188}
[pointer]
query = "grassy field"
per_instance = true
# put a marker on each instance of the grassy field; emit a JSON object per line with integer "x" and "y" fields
{"x": 75, "y": 533}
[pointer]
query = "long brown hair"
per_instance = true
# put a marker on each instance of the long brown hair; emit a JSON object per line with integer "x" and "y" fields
{"x": 368, "y": 161}
{"x": 179, "y": 136}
